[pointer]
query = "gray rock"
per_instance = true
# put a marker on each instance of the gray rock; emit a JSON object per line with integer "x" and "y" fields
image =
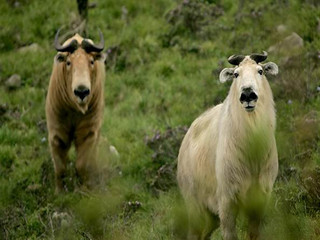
{"x": 281, "y": 28}
{"x": 34, "y": 187}
{"x": 291, "y": 44}
{"x": 13, "y": 82}
{"x": 114, "y": 152}
{"x": 34, "y": 47}
{"x": 61, "y": 219}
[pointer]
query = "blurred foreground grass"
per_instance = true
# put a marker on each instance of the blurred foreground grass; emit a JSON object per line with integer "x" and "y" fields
{"x": 162, "y": 72}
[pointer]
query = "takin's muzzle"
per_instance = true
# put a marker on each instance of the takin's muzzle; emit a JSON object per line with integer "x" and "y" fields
{"x": 81, "y": 92}
{"x": 248, "y": 98}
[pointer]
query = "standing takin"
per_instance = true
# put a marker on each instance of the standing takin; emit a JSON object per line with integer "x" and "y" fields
{"x": 74, "y": 105}
{"x": 228, "y": 159}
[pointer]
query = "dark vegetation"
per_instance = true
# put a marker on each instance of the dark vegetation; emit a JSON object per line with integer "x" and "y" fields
{"x": 163, "y": 62}
{"x": 161, "y": 171}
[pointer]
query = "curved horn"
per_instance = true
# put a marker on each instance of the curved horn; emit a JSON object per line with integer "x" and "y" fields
{"x": 88, "y": 47}
{"x": 235, "y": 59}
{"x": 259, "y": 57}
{"x": 71, "y": 47}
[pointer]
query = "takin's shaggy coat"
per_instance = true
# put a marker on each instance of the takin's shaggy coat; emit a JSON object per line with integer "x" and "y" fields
{"x": 228, "y": 159}
{"x": 74, "y": 105}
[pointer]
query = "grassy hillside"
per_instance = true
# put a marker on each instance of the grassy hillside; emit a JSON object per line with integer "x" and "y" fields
{"x": 162, "y": 72}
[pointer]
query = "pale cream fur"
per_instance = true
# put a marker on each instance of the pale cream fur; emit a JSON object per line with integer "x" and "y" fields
{"x": 70, "y": 121}
{"x": 213, "y": 174}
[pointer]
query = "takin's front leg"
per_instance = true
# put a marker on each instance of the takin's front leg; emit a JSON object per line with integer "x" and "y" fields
{"x": 228, "y": 214}
{"x": 202, "y": 222}
{"x": 59, "y": 147}
{"x": 254, "y": 228}
{"x": 255, "y": 215}
{"x": 256, "y": 203}
{"x": 86, "y": 147}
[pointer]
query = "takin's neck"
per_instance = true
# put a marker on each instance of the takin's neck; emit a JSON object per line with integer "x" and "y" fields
{"x": 250, "y": 135}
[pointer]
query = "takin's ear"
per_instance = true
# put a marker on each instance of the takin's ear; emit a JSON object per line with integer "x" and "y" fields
{"x": 226, "y": 75}
{"x": 100, "y": 57}
{"x": 270, "y": 68}
{"x": 60, "y": 57}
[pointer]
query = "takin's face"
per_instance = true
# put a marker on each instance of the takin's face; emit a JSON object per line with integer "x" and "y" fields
{"x": 248, "y": 79}
{"x": 80, "y": 71}
{"x": 79, "y": 57}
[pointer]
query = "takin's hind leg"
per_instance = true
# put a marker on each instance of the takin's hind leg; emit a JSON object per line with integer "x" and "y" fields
{"x": 202, "y": 223}
{"x": 212, "y": 223}
{"x": 59, "y": 150}
{"x": 86, "y": 148}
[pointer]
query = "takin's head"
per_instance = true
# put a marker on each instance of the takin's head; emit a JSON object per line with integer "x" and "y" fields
{"x": 79, "y": 58}
{"x": 248, "y": 76}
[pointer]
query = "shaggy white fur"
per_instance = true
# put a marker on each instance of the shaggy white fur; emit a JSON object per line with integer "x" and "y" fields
{"x": 228, "y": 158}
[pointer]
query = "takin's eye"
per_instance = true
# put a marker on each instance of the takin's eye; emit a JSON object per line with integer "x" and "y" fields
{"x": 260, "y": 71}
{"x": 236, "y": 75}
{"x": 68, "y": 63}
{"x": 92, "y": 62}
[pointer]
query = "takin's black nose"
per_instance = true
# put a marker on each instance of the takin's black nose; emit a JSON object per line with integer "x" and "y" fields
{"x": 248, "y": 95}
{"x": 81, "y": 92}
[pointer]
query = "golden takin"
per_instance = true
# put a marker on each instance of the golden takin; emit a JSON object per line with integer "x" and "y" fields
{"x": 74, "y": 105}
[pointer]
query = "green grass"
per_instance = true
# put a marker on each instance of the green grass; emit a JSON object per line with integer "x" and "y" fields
{"x": 163, "y": 76}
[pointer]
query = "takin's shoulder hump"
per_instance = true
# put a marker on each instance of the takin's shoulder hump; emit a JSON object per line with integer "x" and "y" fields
{"x": 205, "y": 120}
